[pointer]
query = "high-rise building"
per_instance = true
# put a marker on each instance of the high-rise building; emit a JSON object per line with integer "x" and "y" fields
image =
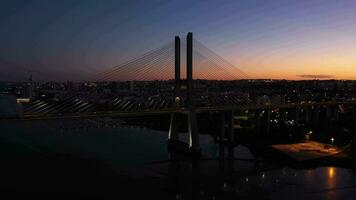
{"x": 29, "y": 90}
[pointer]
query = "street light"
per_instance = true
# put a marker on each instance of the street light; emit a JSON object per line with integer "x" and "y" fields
{"x": 307, "y": 135}
{"x": 332, "y": 141}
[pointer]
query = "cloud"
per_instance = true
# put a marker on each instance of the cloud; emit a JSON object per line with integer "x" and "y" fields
{"x": 315, "y": 76}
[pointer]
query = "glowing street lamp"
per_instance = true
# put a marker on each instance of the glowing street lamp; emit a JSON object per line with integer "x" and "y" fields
{"x": 332, "y": 141}
{"x": 307, "y": 135}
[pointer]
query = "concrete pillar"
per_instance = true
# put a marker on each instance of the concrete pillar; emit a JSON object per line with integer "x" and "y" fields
{"x": 230, "y": 131}
{"x": 230, "y": 134}
{"x": 193, "y": 131}
{"x": 316, "y": 113}
{"x": 190, "y": 99}
{"x": 192, "y": 120}
{"x": 177, "y": 68}
{"x": 222, "y": 136}
{"x": 297, "y": 114}
{"x": 173, "y": 133}
{"x": 222, "y": 127}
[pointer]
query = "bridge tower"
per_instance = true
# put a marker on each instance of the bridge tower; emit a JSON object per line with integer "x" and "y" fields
{"x": 29, "y": 93}
{"x": 173, "y": 135}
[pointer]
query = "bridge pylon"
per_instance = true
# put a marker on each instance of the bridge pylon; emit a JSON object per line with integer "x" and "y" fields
{"x": 176, "y": 118}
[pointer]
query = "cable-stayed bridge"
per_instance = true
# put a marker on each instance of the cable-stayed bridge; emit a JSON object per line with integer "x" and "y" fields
{"x": 158, "y": 83}
{"x": 154, "y": 80}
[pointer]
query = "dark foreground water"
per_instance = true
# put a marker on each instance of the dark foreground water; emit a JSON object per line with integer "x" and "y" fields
{"x": 44, "y": 159}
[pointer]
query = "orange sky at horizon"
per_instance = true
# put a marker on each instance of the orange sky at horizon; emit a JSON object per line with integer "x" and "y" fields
{"x": 335, "y": 60}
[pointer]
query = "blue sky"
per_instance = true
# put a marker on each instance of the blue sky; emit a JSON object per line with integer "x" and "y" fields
{"x": 266, "y": 39}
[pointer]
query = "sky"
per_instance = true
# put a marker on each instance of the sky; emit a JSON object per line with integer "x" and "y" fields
{"x": 280, "y": 39}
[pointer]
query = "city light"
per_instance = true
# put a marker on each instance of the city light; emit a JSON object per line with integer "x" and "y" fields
{"x": 23, "y": 100}
{"x": 331, "y": 171}
{"x": 307, "y": 135}
{"x": 116, "y": 100}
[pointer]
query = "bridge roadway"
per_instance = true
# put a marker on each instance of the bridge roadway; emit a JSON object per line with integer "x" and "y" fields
{"x": 174, "y": 110}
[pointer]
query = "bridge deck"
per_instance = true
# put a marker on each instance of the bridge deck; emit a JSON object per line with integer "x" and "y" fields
{"x": 39, "y": 116}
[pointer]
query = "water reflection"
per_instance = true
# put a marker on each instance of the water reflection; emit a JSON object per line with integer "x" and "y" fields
{"x": 237, "y": 178}
{"x": 331, "y": 172}
{"x": 240, "y": 175}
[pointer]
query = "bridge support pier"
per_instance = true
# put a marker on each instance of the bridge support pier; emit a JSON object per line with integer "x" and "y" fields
{"x": 226, "y": 134}
{"x": 316, "y": 113}
{"x": 173, "y": 133}
{"x": 193, "y": 131}
{"x": 307, "y": 115}
{"x": 193, "y": 146}
{"x": 297, "y": 115}
{"x": 230, "y": 134}
{"x": 193, "y": 143}
{"x": 222, "y": 136}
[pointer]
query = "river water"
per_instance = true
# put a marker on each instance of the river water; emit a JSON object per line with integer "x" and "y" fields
{"x": 142, "y": 154}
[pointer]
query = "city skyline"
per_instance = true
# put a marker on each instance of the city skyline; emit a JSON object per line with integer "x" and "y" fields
{"x": 178, "y": 99}
{"x": 266, "y": 39}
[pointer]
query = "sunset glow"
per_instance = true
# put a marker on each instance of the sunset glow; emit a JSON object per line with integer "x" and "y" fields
{"x": 265, "y": 39}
